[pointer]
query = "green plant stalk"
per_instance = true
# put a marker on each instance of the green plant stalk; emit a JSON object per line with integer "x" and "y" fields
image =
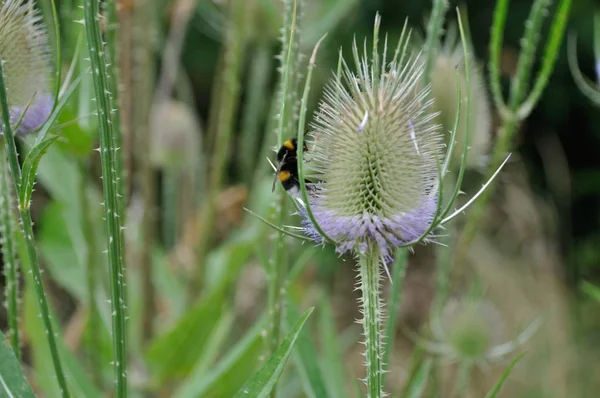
{"x": 260, "y": 71}
{"x": 110, "y": 190}
{"x": 233, "y": 56}
{"x": 463, "y": 378}
{"x": 9, "y": 255}
{"x": 434, "y": 29}
{"x": 286, "y": 101}
{"x": 369, "y": 282}
{"x": 113, "y": 58}
{"x": 145, "y": 21}
{"x": 170, "y": 207}
{"x": 512, "y": 116}
{"x": 597, "y": 42}
{"x": 531, "y": 38}
{"x": 94, "y": 324}
{"x": 27, "y": 225}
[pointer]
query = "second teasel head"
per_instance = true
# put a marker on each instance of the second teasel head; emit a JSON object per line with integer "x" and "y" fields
{"x": 25, "y": 57}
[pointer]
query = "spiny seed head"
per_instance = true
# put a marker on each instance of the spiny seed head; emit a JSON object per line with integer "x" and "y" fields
{"x": 375, "y": 150}
{"x": 448, "y": 72}
{"x": 24, "y": 53}
{"x": 472, "y": 327}
{"x": 175, "y": 136}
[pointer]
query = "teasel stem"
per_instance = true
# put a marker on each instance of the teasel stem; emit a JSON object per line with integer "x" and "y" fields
{"x": 434, "y": 29}
{"x": 112, "y": 46}
{"x": 520, "y": 103}
{"x": 110, "y": 190}
{"x": 27, "y": 225}
{"x": 372, "y": 308}
{"x": 9, "y": 255}
{"x": 221, "y": 124}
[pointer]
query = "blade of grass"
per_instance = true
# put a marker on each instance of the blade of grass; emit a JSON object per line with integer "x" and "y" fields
{"x": 263, "y": 382}
{"x": 333, "y": 359}
{"x": 13, "y": 383}
{"x": 418, "y": 382}
{"x": 498, "y": 386}
{"x": 227, "y": 375}
{"x": 305, "y": 358}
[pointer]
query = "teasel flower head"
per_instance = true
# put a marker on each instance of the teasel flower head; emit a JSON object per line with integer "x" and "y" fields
{"x": 448, "y": 72}
{"x": 473, "y": 330}
{"x": 375, "y": 151}
{"x": 24, "y": 53}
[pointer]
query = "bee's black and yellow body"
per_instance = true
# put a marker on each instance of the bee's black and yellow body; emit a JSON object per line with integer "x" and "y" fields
{"x": 287, "y": 172}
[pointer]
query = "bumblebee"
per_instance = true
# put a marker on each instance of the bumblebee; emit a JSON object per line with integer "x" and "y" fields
{"x": 287, "y": 171}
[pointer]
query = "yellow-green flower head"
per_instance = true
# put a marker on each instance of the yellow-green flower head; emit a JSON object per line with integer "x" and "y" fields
{"x": 375, "y": 150}
{"x": 24, "y": 53}
{"x": 448, "y": 72}
{"x": 470, "y": 326}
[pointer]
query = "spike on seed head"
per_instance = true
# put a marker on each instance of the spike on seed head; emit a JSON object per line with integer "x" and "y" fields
{"x": 24, "y": 52}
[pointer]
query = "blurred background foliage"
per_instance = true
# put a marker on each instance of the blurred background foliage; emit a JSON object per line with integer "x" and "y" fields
{"x": 197, "y": 331}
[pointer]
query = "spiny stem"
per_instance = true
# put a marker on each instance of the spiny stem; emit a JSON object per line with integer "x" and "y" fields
{"x": 7, "y": 226}
{"x": 512, "y": 115}
{"x": 15, "y": 169}
{"x": 285, "y": 101}
{"x": 110, "y": 181}
{"x": 369, "y": 282}
{"x": 434, "y": 29}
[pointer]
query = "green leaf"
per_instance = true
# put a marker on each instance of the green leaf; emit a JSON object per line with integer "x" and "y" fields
{"x": 496, "y": 389}
{"x": 60, "y": 251}
{"x": 174, "y": 354}
{"x": 12, "y": 380}
{"x": 417, "y": 383}
{"x": 305, "y": 358}
{"x": 591, "y": 290}
{"x": 333, "y": 361}
{"x": 29, "y": 170}
{"x": 77, "y": 377}
{"x": 263, "y": 381}
{"x": 228, "y": 375}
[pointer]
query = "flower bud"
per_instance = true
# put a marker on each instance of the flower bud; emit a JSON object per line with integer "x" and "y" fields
{"x": 24, "y": 53}
{"x": 175, "y": 136}
{"x": 471, "y": 328}
{"x": 447, "y": 73}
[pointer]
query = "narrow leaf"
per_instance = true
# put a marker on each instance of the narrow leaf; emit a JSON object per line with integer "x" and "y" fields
{"x": 230, "y": 372}
{"x": 496, "y": 389}
{"x": 261, "y": 383}
{"x": 591, "y": 290}
{"x": 418, "y": 382}
{"x": 333, "y": 361}
{"x": 175, "y": 353}
{"x": 305, "y": 358}
{"x": 12, "y": 380}
{"x": 30, "y": 166}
